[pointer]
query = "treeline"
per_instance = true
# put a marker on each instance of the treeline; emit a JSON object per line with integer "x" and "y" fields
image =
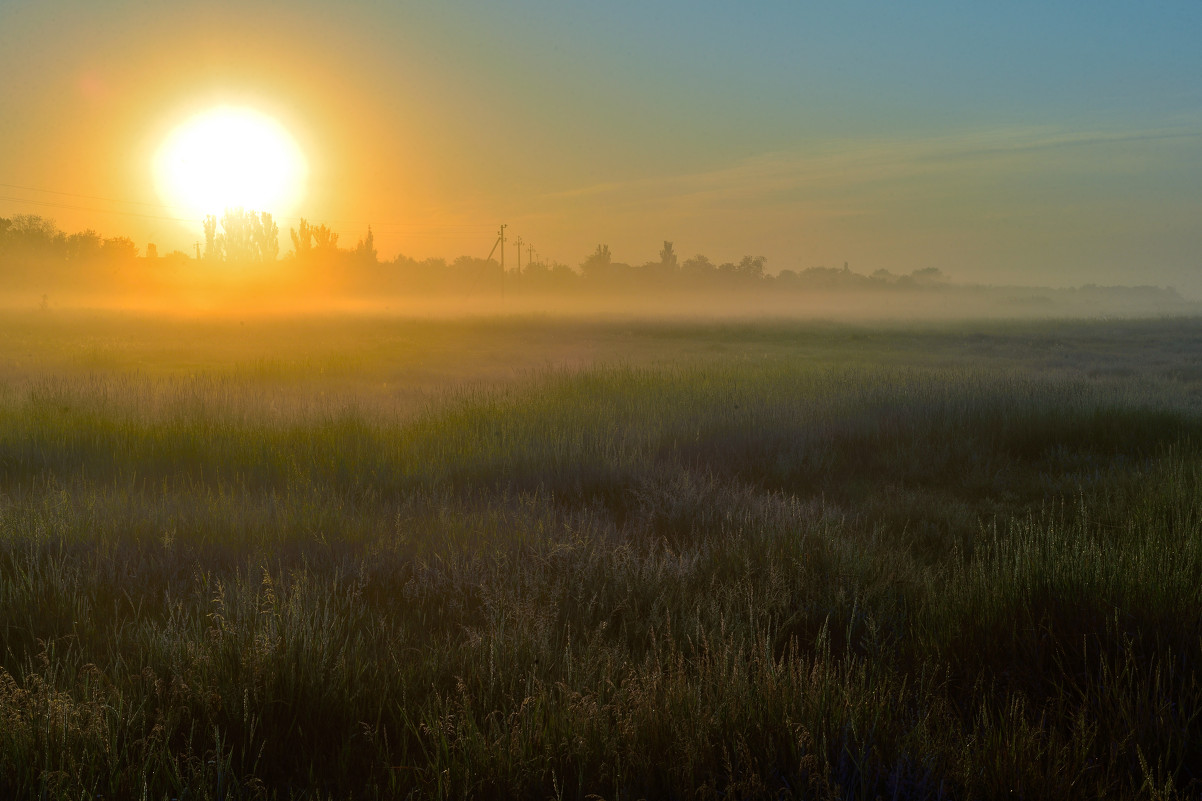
{"x": 35, "y": 253}
{"x": 32, "y": 248}
{"x": 241, "y": 254}
{"x": 600, "y": 272}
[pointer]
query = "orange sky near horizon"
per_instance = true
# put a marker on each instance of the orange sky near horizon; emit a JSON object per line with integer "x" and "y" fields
{"x": 1054, "y": 150}
{"x": 100, "y": 121}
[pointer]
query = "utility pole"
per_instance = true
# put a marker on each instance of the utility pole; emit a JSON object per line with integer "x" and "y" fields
{"x": 529, "y": 254}
{"x": 519, "y": 244}
{"x": 502, "y": 241}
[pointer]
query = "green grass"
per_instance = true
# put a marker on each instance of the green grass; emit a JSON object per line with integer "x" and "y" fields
{"x": 364, "y": 558}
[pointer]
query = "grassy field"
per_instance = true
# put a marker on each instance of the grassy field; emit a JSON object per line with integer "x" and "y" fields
{"x": 539, "y": 558}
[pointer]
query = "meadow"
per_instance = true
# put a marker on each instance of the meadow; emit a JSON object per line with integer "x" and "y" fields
{"x": 535, "y": 557}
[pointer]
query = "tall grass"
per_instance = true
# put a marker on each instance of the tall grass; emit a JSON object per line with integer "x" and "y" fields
{"x": 780, "y": 570}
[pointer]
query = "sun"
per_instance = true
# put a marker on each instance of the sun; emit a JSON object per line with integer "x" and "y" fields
{"x": 230, "y": 157}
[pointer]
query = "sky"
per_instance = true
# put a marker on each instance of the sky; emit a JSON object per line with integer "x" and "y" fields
{"x": 1021, "y": 143}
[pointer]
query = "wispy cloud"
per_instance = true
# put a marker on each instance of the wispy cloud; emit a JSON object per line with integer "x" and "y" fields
{"x": 831, "y": 170}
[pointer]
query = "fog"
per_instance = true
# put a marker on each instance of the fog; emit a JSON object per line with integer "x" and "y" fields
{"x": 240, "y": 273}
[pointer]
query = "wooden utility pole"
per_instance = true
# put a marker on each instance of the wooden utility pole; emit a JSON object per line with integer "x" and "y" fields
{"x": 518, "y": 242}
{"x": 502, "y": 241}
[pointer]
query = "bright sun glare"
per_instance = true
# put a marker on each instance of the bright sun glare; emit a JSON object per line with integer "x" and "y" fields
{"x": 227, "y": 158}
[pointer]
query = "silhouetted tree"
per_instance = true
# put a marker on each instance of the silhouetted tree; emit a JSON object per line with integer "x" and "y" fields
{"x": 928, "y": 276}
{"x": 365, "y": 251}
{"x": 83, "y": 246}
{"x": 267, "y": 237}
{"x": 751, "y": 267}
{"x": 35, "y": 235}
{"x": 831, "y": 277}
{"x": 246, "y": 237}
{"x": 667, "y": 258}
{"x": 302, "y": 239}
{"x": 308, "y": 238}
{"x": 325, "y": 240}
{"x": 35, "y": 229}
{"x": 698, "y": 265}
{"x": 119, "y": 249}
{"x": 212, "y": 247}
{"x": 598, "y": 264}
{"x": 238, "y": 236}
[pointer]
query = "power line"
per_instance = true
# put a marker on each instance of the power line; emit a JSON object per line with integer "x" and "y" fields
{"x": 87, "y": 197}
{"x": 424, "y": 230}
{"x": 55, "y": 205}
{"x": 467, "y": 227}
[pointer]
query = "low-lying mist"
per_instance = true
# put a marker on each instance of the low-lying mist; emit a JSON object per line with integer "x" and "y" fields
{"x": 44, "y": 268}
